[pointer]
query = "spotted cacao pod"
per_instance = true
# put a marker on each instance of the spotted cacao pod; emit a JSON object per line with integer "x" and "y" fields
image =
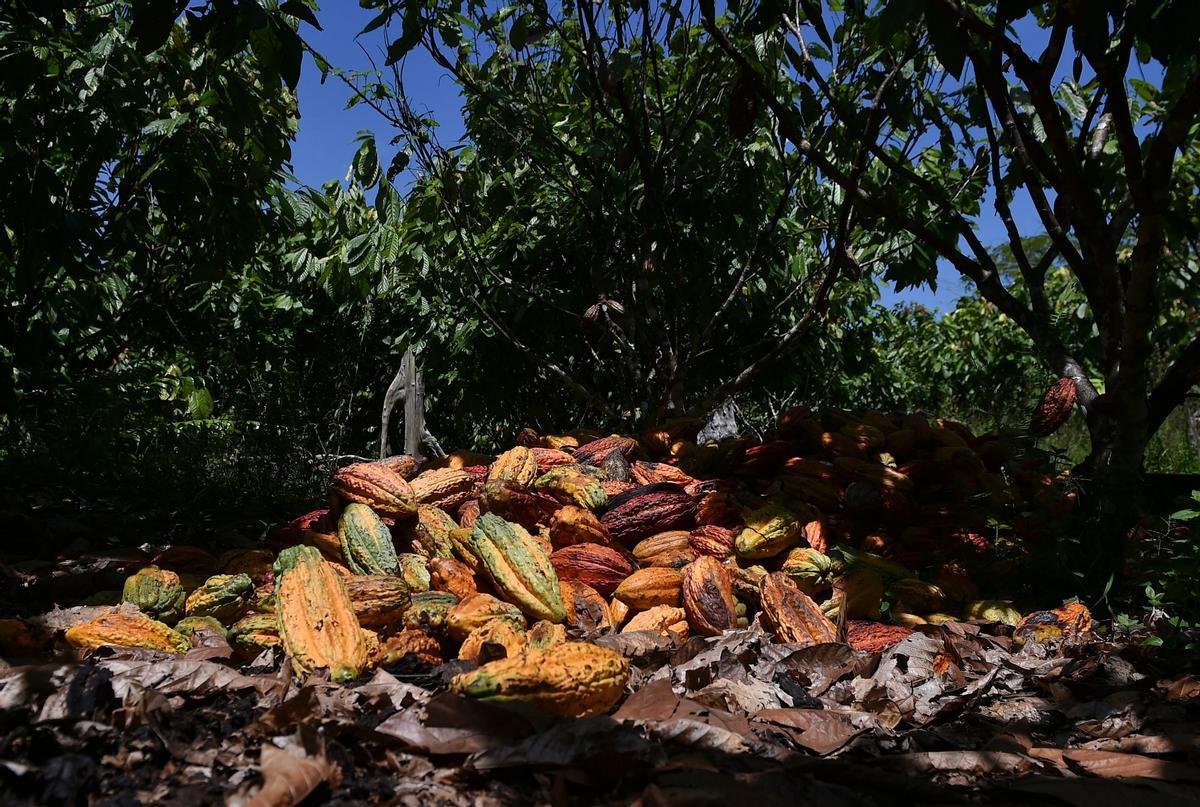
{"x": 127, "y": 630}
{"x": 446, "y": 488}
{"x": 317, "y": 625}
{"x": 366, "y": 541}
{"x": 793, "y": 616}
{"x": 517, "y": 567}
{"x": 708, "y": 597}
{"x": 381, "y": 489}
{"x": 517, "y": 465}
{"x": 224, "y": 597}
{"x": 156, "y": 592}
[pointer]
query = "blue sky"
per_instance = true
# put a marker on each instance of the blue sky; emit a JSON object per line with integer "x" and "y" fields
{"x": 325, "y": 143}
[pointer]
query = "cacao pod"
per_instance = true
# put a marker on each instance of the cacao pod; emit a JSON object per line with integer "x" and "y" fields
{"x": 811, "y": 571}
{"x": 499, "y": 633}
{"x": 545, "y": 634}
{"x": 517, "y": 505}
{"x": 993, "y": 611}
{"x": 190, "y": 624}
{"x": 517, "y": 567}
{"x": 647, "y": 510}
{"x": 317, "y": 625}
{"x": 477, "y": 610}
{"x": 127, "y": 630}
{"x": 708, "y": 597}
{"x": 655, "y": 473}
{"x": 647, "y": 588}
{"x": 716, "y": 542}
{"x": 415, "y": 571}
{"x": 586, "y": 609}
{"x": 366, "y": 541}
{"x": 381, "y": 489}
{"x": 660, "y": 619}
{"x": 401, "y": 464}
{"x": 596, "y": 451}
{"x": 445, "y": 488}
{"x": 224, "y": 597}
{"x": 1069, "y": 622}
{"x": 431, "y": 532}
{"x": 769, "y": 530}
{"x": 576, "y": 525}
{"x": 1054, "y": 409}
{"x": 454, "y": 576}
{"x": 517, "y": 465}
{"x": 254, "y": 633}
{"x": 417, "y": 643}
{"x": 874, "y": 637}
{"x": 379, "y": 601}
{"x": 570, "y": 486}
{"x": 573, "y": 679}
{"x": 601, "y": 567}
{"x": 429, "y": 611}
{"x": 156, "y": 592}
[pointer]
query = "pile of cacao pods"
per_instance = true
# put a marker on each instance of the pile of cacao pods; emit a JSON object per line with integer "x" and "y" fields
{"x": 837, "y": 527}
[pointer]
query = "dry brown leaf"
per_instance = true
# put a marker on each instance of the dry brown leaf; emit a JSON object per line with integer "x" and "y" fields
{"x": 288, "y": 779}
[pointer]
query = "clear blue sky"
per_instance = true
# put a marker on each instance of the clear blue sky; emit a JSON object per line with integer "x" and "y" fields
{"x": 325, "y": 143}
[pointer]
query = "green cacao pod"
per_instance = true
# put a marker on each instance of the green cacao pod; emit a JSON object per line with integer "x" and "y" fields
{"x": 190, "y": 624}
{"x": 431, "y": 533}
{"x": 224, "y": 597}
{"x": 156, "y": 592}
{"x": 769, "y": 530}
{"x": 571, "y": 486}
{"x": 366, "y": 541}
{"x": 415, "y": 571}
{"x": 518, "y": 567}
{"x": 429, "y": 611}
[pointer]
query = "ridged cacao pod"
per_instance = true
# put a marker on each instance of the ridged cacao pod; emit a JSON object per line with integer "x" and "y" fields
{"x": 446, "y": 488}
{"x": 413, "y": 642}
{"x": 156, "y": 592}
{"x": 576, "y": 525}
{"x": 224, "y": 597}
{"x": 572, "y": 679}
{"x": 500, "y": 633}
{"x": 254, "y": 633}
{"x": 1054, "y": 409}
{"x": 379, "y": 601}
{"x": 127, "y": 630}
{"x": 460, "y": 460}
{"x": 571, "y": 486}
{"x": 708, "y": 597}
{"x": 366, "y": 541}
{"x": 454, "y": 576}
{"x": 647, "y": 588}
{"x": 586, "y": 609}
{"x": 792, "y": 615}
{"x": 317, "y": 624}
{"x": 401, "y": 464}
{"x": 431, "y": 532}
{"x": 414, "y": 570}
{"x": 429, "y": 611}
{"x": 517, "y": 505}
{"x": 811, "y": 571}
{"x": 517, "y": 465}
{"x": 1066, "y": 623}
{"x": 517, "y": 567}
{"x": 548, "y": 458}
{"x": 384, "y": 491}
{"x": 190, "y": 624}
{"x": 716, "y": 542}
{"x": 477, "y": 610}
{"x": 993, "y": 611}
{"x": 647, "y": 510}
{"x": 601, "y": 567}
{"x": 596, "y": 451}
{"x": 769, "y": 531}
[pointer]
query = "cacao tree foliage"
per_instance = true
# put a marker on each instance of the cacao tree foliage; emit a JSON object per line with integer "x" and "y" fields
{"x": 925, "y": 110}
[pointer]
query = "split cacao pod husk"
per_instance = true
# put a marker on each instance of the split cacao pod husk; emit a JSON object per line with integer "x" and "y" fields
{"x": 446, "y": 488}
{"x": 477, "y": 610}
{"x": 379, "y": 488}
{"x": 1068, "y": 622}
{"x": 647, "y": 510}
{"x": 317, "y": 624}
{"x": 601, "y": 567}
{"x": 224, "y": 597}
{"x": 647, "y": 588}
{"x": 573, "y": 679}
{"x": 366, "y": 541}
{"x": 708, "y": 597}
{"x": 156, "y": 592}
{"x": 517, "y": 567}
{"x": 793, "y": 616}
{"x": 379, "y": 601}
{"x": 127, "y": 630}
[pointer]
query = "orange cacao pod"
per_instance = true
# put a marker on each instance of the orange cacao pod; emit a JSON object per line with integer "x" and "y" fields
{"x": 647, "y": 588}
{"x": 708, "y": 597}
{"x": 384, "y": 491}
{"x": 793, "y": 616}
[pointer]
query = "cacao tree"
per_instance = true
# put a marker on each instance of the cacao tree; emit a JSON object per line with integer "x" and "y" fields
{"x": 922, "y": 111}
